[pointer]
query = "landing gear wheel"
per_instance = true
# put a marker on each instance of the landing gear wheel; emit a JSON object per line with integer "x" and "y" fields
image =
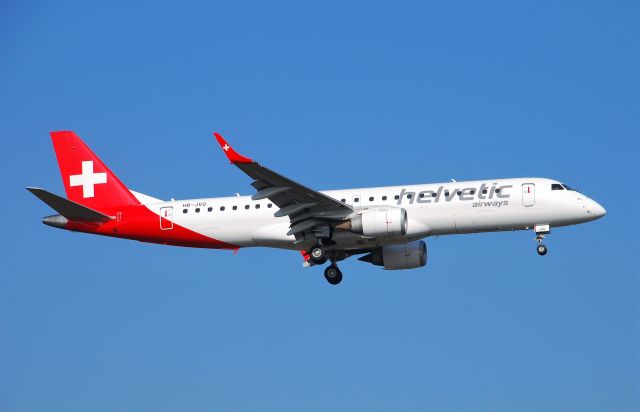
{"x": 318, "y": 255}
{"x": 542, "y": 249}
{"x": 333, "y": 274}
{"x": 540, "y": 232}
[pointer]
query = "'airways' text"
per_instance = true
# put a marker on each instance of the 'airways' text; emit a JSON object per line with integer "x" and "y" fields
{"x": 492, "y": 204}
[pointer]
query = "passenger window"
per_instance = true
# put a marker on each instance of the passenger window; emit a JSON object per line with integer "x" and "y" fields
{"x": 257, "y": 206}
{"x": 235, "y": 208}
{"x": 269, "y": 205}
{"x": 497, "y": 190}
{"x": 434, "y": 194}
{"x": 343, "y": 200}
{"x": 210, "y": 209}
{"x": 371, "y": 199}
{"x": 356, "y": 200}
{"x": 409, "y": 196}
{"x": 421, "y": 195}
{"x": 446, "y": 193}
{"x": 484, "y": 191}
{"x": 197, "y": 210}
{"x": 247, "y": 206}
{"x": 185, "y": 210}
{"x": 473, "y": 192}
{"x": 396, "y": 197}
{"x": 384, "y": 198}
{"x": 459, "y": 192}
{"x": 222, "y": 208}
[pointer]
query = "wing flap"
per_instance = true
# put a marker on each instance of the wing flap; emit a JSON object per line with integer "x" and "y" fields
{"x": 268, "y": 192}
{"x": 303, "y": 226}
{"x": 293, "y": 209}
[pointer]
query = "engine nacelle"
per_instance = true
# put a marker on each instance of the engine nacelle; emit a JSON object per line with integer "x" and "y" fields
{"x": 409, "y": 255}
{"x": 381, "y": 222}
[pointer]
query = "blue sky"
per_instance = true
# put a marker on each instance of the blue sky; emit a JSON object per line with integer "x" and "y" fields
{"x": 335, "y": 95}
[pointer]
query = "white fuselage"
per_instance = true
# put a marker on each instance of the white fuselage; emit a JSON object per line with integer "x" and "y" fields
{"x": 432, "y": 209}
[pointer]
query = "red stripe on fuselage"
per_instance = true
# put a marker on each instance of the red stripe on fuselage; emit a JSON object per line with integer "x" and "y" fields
{"x": 140, "y": 223}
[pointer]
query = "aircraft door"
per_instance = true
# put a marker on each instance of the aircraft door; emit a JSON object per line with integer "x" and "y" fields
{"x": 528, "y": 194}
{"x": 166, "y": 218}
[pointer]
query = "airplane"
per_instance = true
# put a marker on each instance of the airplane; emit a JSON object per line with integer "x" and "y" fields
{"x": 386, "y": 225}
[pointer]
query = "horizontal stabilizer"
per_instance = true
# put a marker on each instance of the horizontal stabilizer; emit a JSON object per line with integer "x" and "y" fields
{"x": 68, "y": 208}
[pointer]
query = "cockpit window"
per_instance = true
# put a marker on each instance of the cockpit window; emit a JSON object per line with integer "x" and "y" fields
{"x": 556, "y": 186}
{"x": 568, "y": 188}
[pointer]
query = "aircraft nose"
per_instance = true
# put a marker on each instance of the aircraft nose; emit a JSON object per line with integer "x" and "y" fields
{"x": 597, "y": 210}
{"x": 600, "y": 211}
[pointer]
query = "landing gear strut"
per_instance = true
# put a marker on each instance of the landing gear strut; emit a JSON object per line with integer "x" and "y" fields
{"x": 333, "y": 274}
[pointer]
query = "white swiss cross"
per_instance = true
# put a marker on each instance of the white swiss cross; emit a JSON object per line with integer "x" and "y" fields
{"x": 226, "y": 147}
{"x": 87, "y": 179}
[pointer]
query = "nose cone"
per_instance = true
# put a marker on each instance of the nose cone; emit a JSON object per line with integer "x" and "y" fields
{"x": 599, "y": 210}
{"x": 596, "y": 210}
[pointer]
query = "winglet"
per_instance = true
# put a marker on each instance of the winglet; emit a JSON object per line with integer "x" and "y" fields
{"x": 232, "y": 155}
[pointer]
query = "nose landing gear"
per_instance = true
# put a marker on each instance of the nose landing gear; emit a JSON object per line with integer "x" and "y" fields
{"x": 541, "y": 230}
{"x": 542, "y": 249}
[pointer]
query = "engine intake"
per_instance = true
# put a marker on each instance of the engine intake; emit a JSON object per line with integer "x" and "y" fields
{"x": 409, "y": 255}
{"x": 381, "y": 222}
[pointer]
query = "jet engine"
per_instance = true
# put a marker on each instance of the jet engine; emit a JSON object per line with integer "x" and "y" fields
{"x": 409, "y": 255}
{"x": 379, "y": 222}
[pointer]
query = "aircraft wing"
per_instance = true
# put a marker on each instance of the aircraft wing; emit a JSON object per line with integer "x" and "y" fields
{"x": 307, "y": 209}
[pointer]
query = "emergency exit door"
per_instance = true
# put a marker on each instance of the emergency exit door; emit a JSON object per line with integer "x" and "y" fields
{"x": 528, "y": 194}
{"x": 166, "y": 218}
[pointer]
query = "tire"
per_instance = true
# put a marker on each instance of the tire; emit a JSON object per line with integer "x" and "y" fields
{"x": 317, "y": 254}
{"x": 333, "y": 275}
{"x": 542, "y": 250}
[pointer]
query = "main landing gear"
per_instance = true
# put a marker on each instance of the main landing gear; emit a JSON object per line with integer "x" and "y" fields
{"x": 319, "y": 256}
{"x": 333, "y": 274}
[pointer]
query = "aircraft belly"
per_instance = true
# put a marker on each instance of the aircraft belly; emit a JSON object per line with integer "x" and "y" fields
{"x": 439, "y": 219}
{"x": 468, "y": 220}
{"x": 273, "y": 235}
{"x": 237, "y": 232}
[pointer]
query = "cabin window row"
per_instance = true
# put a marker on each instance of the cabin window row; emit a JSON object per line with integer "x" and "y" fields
{"x": 343, "y": 200}
{"x": 223, "y": 208}
{"x": 421, "y": 195}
